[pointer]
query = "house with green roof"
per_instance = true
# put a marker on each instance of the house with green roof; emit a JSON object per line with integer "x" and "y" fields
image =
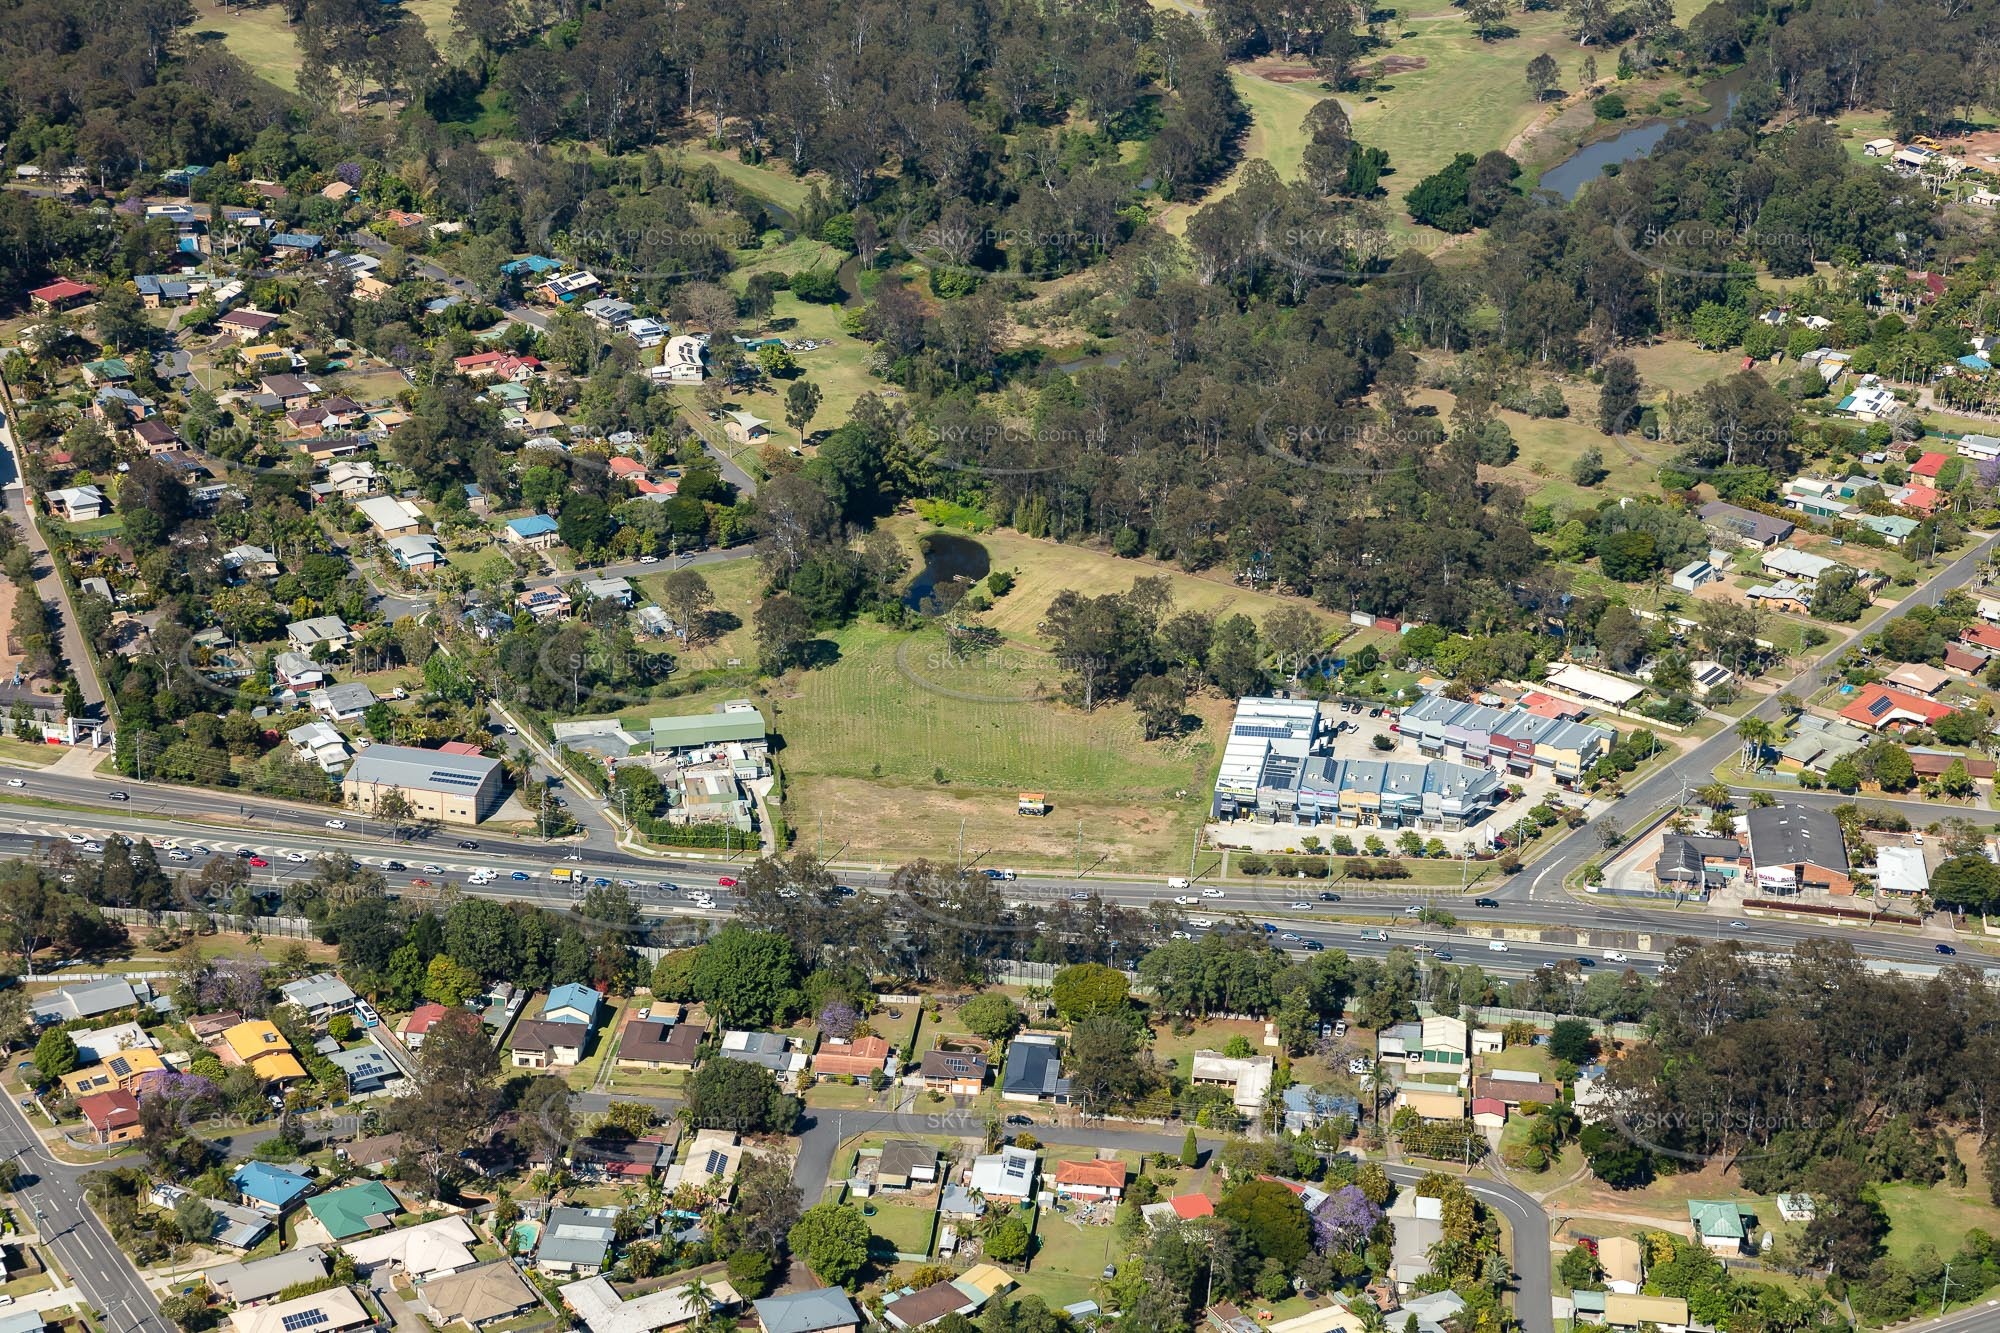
{"x": 356, "y": 1210}
{"x": 1723, "y": 1227}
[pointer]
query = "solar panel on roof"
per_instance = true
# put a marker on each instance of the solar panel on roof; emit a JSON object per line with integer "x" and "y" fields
{"x": 303, "y": 1319}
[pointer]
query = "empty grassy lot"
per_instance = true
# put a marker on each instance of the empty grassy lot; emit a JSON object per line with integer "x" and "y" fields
{"x": 255, "y": 34}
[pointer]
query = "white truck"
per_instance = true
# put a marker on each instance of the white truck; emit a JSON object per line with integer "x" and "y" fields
{"x": 1177, "y": 882}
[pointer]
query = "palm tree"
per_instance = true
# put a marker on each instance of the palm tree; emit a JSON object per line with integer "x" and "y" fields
{"x": 1755, "y": 733}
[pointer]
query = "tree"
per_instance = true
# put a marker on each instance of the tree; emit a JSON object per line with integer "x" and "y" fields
{"x": 784, "y": 628}
{"x": 735, "y": 1094}
{"x": 1968, "y": 883}
{"x": 56, "y": 1054}
{"x": 990, "y": 1015}
{"x": 1160, "y": 704}
{"x": 802, "y": 401}
{"x": 194, "y": 1219}
{"x": 448, "y": 984}
{"x": 1543, "y": 76}
{"x": 1573, "y": 1040}
{"x": 1588, "y": 467}
{"x": 747, "y": 978}
{"x": 1618, "y": 397}
{"x": 452, "y": 1098}
{"x": 1006, "y": 1239}
{"x": 1579, "y": 1270}
{"x": 686, "y": 597}
{"x": 1267, "y": 1220}
{"x": 1344, "y": 1220}
{"x": 1488, "y": 17}
{"x": 832, "y": 1239}
{"x": 1085, "y": 989}
{"x": 1190, "y": 1150}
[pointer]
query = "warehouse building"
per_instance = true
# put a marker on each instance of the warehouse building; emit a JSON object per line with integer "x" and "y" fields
{"x": 454, "y": 788}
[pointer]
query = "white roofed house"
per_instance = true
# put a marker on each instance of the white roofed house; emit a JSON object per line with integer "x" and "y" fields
{"x": 79, "y": 504}
{"x": 682, "y": 362}
{"x": 415, "y": 551}
{"x": 1801, "y": 567}
{"x": 1248, "y": 1079}
{"x": 318, "y": 743}
{"x": 1007, "y": 1174}
{"x": 344, "y": 702}
{"x": 1901, "y": 871}
{"x": 321, "y": 996}
{"x": 390, "y": 516}
{"x": 306, "y": 635}
{"x": 250, "y": 562}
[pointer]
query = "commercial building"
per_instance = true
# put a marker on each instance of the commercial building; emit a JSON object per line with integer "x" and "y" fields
{"x": 1794, "y": 847}
{"x": 458, "y": 789}
{"x": 1594, "y": 686}
{"x": 1514, "y": 740}
{"x": 1901, "y": 870}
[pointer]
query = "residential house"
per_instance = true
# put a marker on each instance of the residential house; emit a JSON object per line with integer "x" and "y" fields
{"x": 418, "y": 1025}
{"x": 296, "y": 674}
{"x": 863, "y": 1057}
{"x": 250, "y": 562}
{"x": 745, "y": 428}
{"x": 1516, "y": 1090}
{"x": 342, "y": 703}
{"x": 959, "y": 1073}
{"x": 268, "y": 1188}
{"x": 247, "y": 1283}
{"x": 609, "y": 590}
{"x": 1918, "y": 679}
{"x": 618, "y": 1159}
{"x": 356, "y": 1210}
{"x": 683, "y": 361}
{"x": 1746, "y": 527}
{"x": 98, "y": 1044}
{"x": 123, "y": 1071}
{"x": 1880, "y": 708}
{"x": 1431, "y": 1104}
{"x": 295, "y": 245}
{"x": 648, "y": 1043}
{"x": 156, "y": 437}
{"x": 1795, "y": 847}
{"x": 576, "y": 1240}
{"x": 713, "y": 1156}
{"x": 306, "y": 635}
{"x": 1710, "y": 677}
{"x": 963, "y": 1295}
{"x": 536, "y": 1044}
{"x": 825, "y": 1310}
{"x": 1696, "y": 575}
{"x": 1006, "y": 1174}
{"x": 476, "y": 1297}
{"x": 427, "y": 1250}
{"x": 416, "y": 552}
{"x": 1100, "y": 1178}
{"x": 1901, "y": 871}
{"x": 62, "y": 294}
{"x": 290, "y": 390}
{"x": 573, "y": 1003}
{"x": 1489, "y": 1112}
{"x": 1418, "y": 1225}
{"x": 246, "y": 326}
{"x": 905, "y": 1163}
{"x": 374, "y": 1154}
{"x": 321, "y": 996}
{"x": 475, "y": 498}
{"x": 536, "y": 532}
{"x": 113, "y": 1117}
{"x": 258, "y": 1045}
{"x": 1306, "y": 1109}
{"x": 774, "y": 1051}
{"x": 369, "y": 1070}
{"x": 234, "y": 1227}
{"x": 89, "y": 1000}
{"x": 390, "y": 516}
{"x": 1722, "y": 1227}
{"x": 567, "y": 288}
{"x": 1033, "y": 1070}
{"x": 1665, "y": 1314}
{"x": 1248, "y": 1078}
{"x": 78, "y": 504}
{"x": 598, "y": 1308}
{"x": 109, "y": 370}
{"x": 157, "y": 290}
{"x": 607, "y": 311}
{"x": 1869, "y": 402}
{"x": 334, "y": 1310}
{"x": 347, "y": 478}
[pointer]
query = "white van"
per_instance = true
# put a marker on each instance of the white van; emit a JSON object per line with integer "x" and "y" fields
{"x": 1497, "y": 946}
{"x": 1177, "y": 882}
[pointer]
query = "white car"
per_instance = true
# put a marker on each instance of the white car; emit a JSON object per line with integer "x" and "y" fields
{"x": 1413, "y": 910}
{"x": 648, "y": 559}
{"x": 76, "y": 839}
{"x": 296, "y": 858}
{"x": 1203, "y": 922}
{"x": 1301, "y": 907}
{"x": 176, "y": 854}
{"x": 1180, "y": 935}
{"x": 1182, "y": 900}
{"x": 1497, "y": 946}
{"x": 336, "y": 823}
{"x": 1613, "y": 956}
{"x": 1211, "y": 893}
{"x": 16, "y": 782}
{"x": 433, "y": 869}
{"x": 93, "y": 846}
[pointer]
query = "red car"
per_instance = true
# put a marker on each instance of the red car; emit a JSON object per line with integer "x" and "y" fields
{"x": 724, "y": 881}
{"x": 420, "y": 884}
{"x": 258, "y": 862}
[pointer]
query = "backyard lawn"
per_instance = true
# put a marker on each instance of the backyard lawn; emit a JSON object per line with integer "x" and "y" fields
{"x": 904, "y": 1228}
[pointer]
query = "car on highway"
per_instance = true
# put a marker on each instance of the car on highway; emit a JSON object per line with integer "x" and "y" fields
{"x": 628, "y": 883}
{"x": 842, "y": 890}
{"x": 1180, "y": 935}
{"x": 1946, "y": 950}
{"x": 600, "y": 883}
{"x": 121, "y": 795}
{"x": 244, "y": 853}
{"x": 1497, "y": 946}
{"x": 1201, "y": 921}
{"x": 1314, "y": 946}
{"x": 729, "y": 882}
{"x": 433, "y": 870}
{"x": 1444, "y": 955}
{"x": 336, "y": 823}
{"x": 481, "y": 876}
{"x": 649, "y": 559}
{"x": 1020, "y": 1120}
{"x": 258, "y": 862}
{"x": 16, "y": 782}
{"x": 1614, "y": 956}
{"x": 1183, "y": 900}
{"x": 467, "y": 845}
{"x": 76, "y": 839}
{"x": 572, "y": 856}
{"x": 296, "y": 858}
{"x": 1485, "y": 902}
{"x": 1413, "y": 910}
{"x": 1211, "y": 893}
{"x": 520, "y": 874}
{"x": 667, "y": 886}
{"x": 394, "y": 865}
{"x": 1582, "y": 961}
{"x": 420, "y": 883}
{"x": 93, "y": 846}
{"x": 513, "y": 730}
{"x": 1079, "y": 897}
{"x": 1329, "y": 897}
{"x": 176, "y": 854}
{"x": 1739, "y": 925}
{"x": 1301, "y": 907}
{"x": 1289, "y": 938}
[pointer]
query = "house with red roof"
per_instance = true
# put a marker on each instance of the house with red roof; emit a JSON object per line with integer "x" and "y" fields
{"x": 113, "y": 1116}
{"x": 1929, "y": 465}
{"x": 419, "y": 1023}
{"x": 657, "y": 490}
{"x": 1923, "y": 499}
{"x": 1981, "y": 636}
{"x": 622, "y": 468}
{"x": 60, "y": 295}
{"x": 1880, "y": 708}
{"x": 861, "y": 1058}
{"x": 498, "y": 365}
{"x": 1963, "y": 660}
{"x": 1489, "y": 1112}
{"x": 1547, "y": 705}
{"x": 1189, "y": 1206}
{"x": 1103, "y": 1178}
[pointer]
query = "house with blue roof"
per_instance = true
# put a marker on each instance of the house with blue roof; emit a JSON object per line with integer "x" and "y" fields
{"x": 270, "y": 1189}
{"x": 1306, "y": 1109}
{"x": 530, "y": 266}
{"x": 296, "y": 244}
{"x": 574, "y": 1003}
{"x": 536, "y": 532}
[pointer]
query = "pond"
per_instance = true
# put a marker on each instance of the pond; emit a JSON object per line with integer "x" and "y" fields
{"x": 1587, "y": 163}
{"x": 952, "y": 564}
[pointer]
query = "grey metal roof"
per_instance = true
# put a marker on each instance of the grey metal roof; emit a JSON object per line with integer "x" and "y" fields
{"x": 1033, "y": 1069}
{"x": 577, "y": 1235}
{"x": 318, "y": 990}
{"x": 1784, "y": 835}
{"x": 424, "y": 770}
{"x": 807, "y": 1311}
{"x": 253, "y": 1281}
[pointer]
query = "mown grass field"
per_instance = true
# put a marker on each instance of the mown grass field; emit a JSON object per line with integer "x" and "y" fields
{"x": 255, "y": 34}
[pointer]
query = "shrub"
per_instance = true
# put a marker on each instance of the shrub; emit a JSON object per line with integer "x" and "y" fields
{"x": 1609, "y": 107}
